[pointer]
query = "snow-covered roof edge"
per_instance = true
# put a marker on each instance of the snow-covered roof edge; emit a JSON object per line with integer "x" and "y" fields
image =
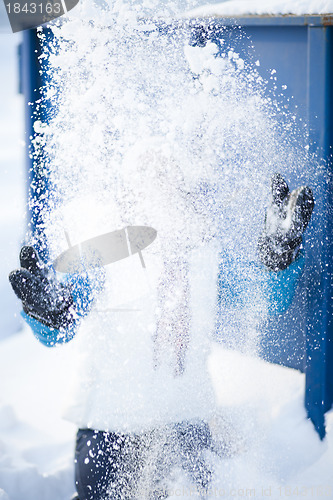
{"x": 270, "y": 8}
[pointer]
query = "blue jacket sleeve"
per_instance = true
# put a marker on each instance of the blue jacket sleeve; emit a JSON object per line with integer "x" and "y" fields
{"x": 281, "y": 286}
{"x": 48, "y": 336}
{"x": 237, "y": 281}
{"x": 82, "y": 293}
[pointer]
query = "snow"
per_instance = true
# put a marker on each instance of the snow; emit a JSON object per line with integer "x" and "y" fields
{"x": 236, "y": 8}
{"x": 275, "y": 447}
{"x": 275, "y": 450}
{"x": 36, "y": 444}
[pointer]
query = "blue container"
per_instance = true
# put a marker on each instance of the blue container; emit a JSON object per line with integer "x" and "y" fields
{"x": 299, "y": 49}
{"x": 30, "y": 83}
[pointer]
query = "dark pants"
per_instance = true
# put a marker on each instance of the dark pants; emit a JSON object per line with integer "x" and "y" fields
{"x": 110, "y": 466}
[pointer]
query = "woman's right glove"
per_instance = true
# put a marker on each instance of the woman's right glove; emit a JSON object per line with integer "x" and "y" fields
{"x": 43, "y": 297}
{"x": 51, "y": 308}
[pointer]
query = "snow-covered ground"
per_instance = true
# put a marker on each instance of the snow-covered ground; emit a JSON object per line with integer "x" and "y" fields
{"x": 277, "y": 453}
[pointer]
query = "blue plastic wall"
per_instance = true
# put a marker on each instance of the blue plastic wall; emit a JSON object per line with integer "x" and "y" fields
{"x": 300, "y": 50}
{"x": 30, "y": 83}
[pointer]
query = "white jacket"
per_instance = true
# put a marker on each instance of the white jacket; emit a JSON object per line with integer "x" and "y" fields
{"x": 117, "y": 387}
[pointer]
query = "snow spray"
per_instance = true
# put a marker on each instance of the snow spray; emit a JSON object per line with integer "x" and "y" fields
{"x": 165, "y": 132}
{"x": 153, "y": 123}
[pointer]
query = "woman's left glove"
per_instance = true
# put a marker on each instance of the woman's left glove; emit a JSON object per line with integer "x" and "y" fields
{"x": 286, "y": 220}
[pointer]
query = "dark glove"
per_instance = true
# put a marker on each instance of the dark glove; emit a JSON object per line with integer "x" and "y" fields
{"x": 43, "y": 297}
{"x": 286, "y": 220}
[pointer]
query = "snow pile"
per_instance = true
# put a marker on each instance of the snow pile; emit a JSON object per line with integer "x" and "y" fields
{"x": 273, "y": 447}
{"x": 236, "y": 8}
{"x": 36, "y": 444}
